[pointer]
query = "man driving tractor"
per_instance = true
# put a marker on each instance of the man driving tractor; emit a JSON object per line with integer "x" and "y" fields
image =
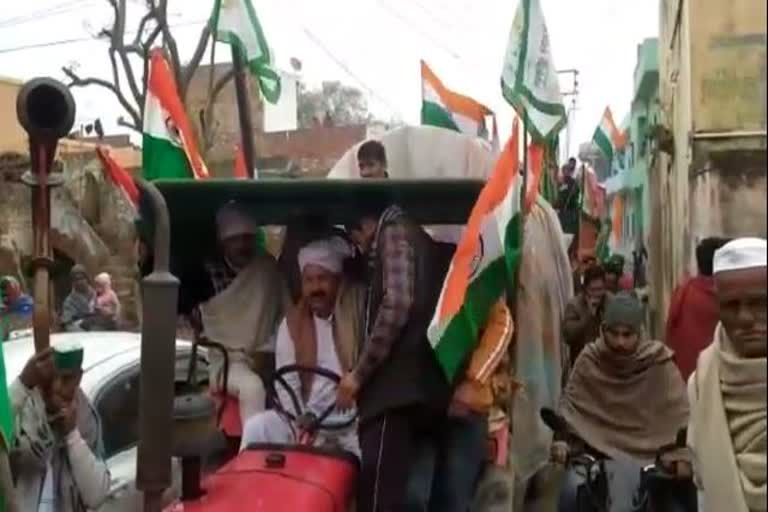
{"x": 321, "y": 331}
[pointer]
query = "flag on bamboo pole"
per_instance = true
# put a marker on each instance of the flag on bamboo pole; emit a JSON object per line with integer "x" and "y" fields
{"x": 6, "y": 413}
{"x": 529, "y": 80}
{"x": 444, "y": 108}
{"x": 484, "y": 265}
{"x": 6, "y": 418}
{"x": 119, "y": 176}
{"x": 535, "y": 174}
{"x": 593, "y": 199}
{"x": 241, "y": 168}
{"x": 548, "y": 187}
{"x": 169, "y": 150}
{"x": 235, "y": 22}
{"x": 593, "y": 194}
{"x": 608, "y": 138}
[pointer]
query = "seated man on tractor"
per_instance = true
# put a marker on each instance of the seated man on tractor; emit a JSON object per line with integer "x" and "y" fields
{"x": 242, "y": 315}
{"x": 321, "y": 331}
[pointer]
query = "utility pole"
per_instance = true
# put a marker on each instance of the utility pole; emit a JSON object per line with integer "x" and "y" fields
{"x": 571, "y": 112}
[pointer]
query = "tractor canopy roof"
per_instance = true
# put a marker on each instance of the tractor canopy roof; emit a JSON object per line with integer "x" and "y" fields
{"x": 300, "y": 205}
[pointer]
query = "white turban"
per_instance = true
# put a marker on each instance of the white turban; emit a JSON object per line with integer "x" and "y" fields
{"x": 328, "y": 253}
{"x": 741, "y": 254}
{"x": 232, "y": 221}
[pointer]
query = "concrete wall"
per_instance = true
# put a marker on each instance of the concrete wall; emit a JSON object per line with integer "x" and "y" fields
{"x": 712, "y": 73}
{"x": 12, "y": 136}
{"x": 728, "y": 65}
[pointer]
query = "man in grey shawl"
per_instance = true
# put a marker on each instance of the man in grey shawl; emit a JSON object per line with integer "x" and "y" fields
{"x": 78, "y": 307}
{"x": 57, "y": 456}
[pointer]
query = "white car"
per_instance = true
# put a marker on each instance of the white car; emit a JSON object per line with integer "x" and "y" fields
{"x": 111, "y": 381}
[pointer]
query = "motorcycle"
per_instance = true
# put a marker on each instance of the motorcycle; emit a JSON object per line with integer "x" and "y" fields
{"x": 598, "y": 483}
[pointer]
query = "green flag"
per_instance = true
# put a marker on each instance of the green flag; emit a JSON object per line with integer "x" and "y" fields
{"x": 234, "y": 22}
{"x": 529, "y": 79}
{"x": 6, "y": 413}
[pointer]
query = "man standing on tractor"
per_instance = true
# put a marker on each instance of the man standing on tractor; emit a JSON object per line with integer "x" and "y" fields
{"x": 248, "y": 302}
{"x": 372, "y": 160}
{"x": 449, "y": 466}
{"x": 57, "y": 460}
{"x": 321, "y": 331}
{"x": 397, "y": 383}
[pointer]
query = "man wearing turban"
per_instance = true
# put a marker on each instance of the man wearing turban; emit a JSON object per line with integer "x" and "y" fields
{"x": 321, "y": 331}
{"x": 727, "y": 431}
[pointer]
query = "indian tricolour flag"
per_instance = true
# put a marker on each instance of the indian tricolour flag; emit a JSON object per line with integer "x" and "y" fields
{"x": 169, "y": 149}
{"x": 608, "y": 137}
{"x": 484, "y": 265}
{"x": 444, "y": 108}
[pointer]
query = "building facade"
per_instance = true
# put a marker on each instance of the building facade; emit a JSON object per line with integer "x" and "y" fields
{"x": 13, "y": 138}
{"x": 709, "y": 174}
{"x": 631, "y": 184}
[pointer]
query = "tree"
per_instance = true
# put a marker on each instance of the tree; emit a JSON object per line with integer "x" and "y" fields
{"x": 333, "y": 103}
{"x": 127, "y": 55}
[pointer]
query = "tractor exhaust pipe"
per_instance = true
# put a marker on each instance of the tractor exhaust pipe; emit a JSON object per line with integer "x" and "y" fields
{"x": 160, "y": 291}
{"x": 46, "y": 110}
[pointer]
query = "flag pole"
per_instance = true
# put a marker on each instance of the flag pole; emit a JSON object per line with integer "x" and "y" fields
{"x": 244, "y": 110}
{"x": 525, "y": 166}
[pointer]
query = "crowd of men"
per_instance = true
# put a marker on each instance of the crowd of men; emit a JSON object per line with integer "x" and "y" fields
{"x": 422, "y": 441}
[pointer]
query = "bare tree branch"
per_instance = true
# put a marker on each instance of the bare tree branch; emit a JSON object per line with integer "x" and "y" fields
{"x": 142, "y": 27}
{"x": 122, "y": 122}
{"x": 118, "y": 47}
{"x": 77, "y": 81}
{"x": 194, "y": 63}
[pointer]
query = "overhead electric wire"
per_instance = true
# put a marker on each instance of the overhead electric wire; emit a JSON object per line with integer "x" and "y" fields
{"x": 412, "y": 26}
{"x": 330, "y": 54}
{"x": 43, "y": 14}
{"x": 32, "y": 46}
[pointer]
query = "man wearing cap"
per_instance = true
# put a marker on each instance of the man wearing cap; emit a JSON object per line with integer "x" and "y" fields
{"x": 247, "y": 303}
{"x": 727, "y": 431}
{"x": 78, "y": 307}
{"x": 321, "y": 331}
{"x": 57, "y": 457}
{"x": 606, "y": 401}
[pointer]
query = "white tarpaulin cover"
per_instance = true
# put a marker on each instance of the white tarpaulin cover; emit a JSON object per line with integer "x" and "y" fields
{"x": 423, "y": 152}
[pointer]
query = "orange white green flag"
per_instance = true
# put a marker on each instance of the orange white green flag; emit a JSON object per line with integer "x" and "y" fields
{"x": 169, "y": 149}
{"x": 608, "y": 138}
{"x": 444, "y": 108}
{"x": 484, "y": 265}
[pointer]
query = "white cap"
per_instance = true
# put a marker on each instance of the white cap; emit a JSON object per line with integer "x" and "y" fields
{"x": 741, "y": 254}
{"x": 232, "y": 221}
{"x": 328, "y": 253}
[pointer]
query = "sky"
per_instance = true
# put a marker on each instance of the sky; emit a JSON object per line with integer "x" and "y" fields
{"x": 374, "y": 45}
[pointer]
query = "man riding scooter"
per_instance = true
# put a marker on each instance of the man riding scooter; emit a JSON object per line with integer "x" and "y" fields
{"x": 625, "y": 398}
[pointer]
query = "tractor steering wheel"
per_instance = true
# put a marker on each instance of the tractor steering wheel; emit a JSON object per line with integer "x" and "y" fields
{"x": 319, "y": 422}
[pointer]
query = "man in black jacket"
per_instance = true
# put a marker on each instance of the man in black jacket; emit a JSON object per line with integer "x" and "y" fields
{"x": 397, "y": 383}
